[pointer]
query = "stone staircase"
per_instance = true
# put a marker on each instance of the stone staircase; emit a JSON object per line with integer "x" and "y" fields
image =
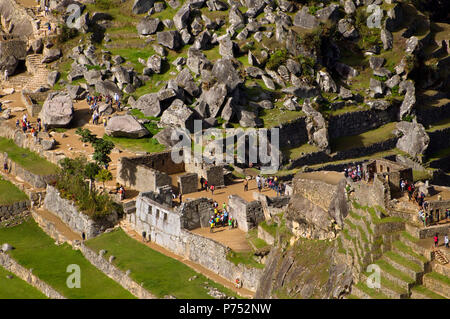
{"x": 407, "y": 269}
{"x": 35, "y": 77}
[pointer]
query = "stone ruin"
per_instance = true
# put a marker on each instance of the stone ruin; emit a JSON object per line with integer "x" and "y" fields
{"x": 149, "y": 172}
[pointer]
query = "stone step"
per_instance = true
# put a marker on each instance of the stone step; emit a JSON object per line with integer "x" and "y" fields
{"x": 406, "y": 252}
{"x": 422, "y": 292}
{"x": 361, "y": 291}
{"x": 404, "y": 265}
{"x": 388, "y": 288}
{"x": 437, "y": 283}
{"x": 396, "y": 276}
{"x": 410, "y": 242}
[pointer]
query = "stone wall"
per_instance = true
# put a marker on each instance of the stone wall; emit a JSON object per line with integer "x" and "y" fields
{"x": 13, "y": 266}
{"x": 188, "y": 183}
{"x": 31, "y": 102}
{"x": 26, "y": 141}
{"x": 439, "y": 140}
{"x": 115, "y": 274}
{"x": 429, "y": 231}
{"x": 37, "y": 181}
{"x": 428, "y": 116}
{"x": 212, "y": 173}
{"x": 376, "y": 193}
{"x": 164, "y": 226}
{"x": 9, "y": 211}
{"x": 264, "y": 235}
{"x": 141, "y": 178}
{"x": 74, "y": 219}
{"x": 294, "y": 133}
{"x": 247, "y": 214}
{"x": 354, "y": 123}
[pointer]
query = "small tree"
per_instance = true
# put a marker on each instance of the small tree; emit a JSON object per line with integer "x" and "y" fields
{"x": 102, "y": 148}
{"x": 90, "y": 171}
{"x": 104, "y": 176}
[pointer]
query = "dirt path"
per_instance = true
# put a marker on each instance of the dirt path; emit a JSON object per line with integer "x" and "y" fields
{"x": 198, "y": 268}
{"x": 233, "y": 238}
{"x": 60, "y": 226}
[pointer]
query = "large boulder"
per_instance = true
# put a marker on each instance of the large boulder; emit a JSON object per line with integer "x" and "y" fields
{"x": 181, "y": 18}
{"x": 51, "y": 55}
{"x": 142, "y": 6}
{"x": 316, "y": 127}
{"x": 9, "y": 63}
{"x": 154, "y": 63}
{"x": 164, "y": 137}
{"x": 329, "y": 13}
{"x": 170, "y": 39}
{"x": 413, "y": 139}
{"x": 326, "y": 82}
{"x": 302, "y": 91}
{"x": 387, "y": 38}
{"x": 346, "y": 71}
{"x": 107, "y": 87}
{"x": 178, "y": 115}
{"x": 214, "y": 98}
{"x": 149, "y": 105}
{"x": 93, "y": 76}
{"x": 57, "y": 110}
{"x": 224, "y": 71}
{"x": 235, "y": 16}
{"x": 409, "y": 101}
{"x": 186, "y": 82}
{"x": 197, "y": 61}
{"x": 125, "y": 126}
{"x": 305, "y": 20}
{"x": 148, "y": 26}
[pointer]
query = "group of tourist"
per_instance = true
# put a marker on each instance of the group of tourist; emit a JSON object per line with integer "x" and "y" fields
{"x": 93, "y": 102}
{"x": 205, "y": 186}
{"x": 26, "y": 126}
{"x": 270, "y": 182}
{"x": 121, "y": 191}
{"x": 221, "y": 218}
{"x": 355, "y": 173}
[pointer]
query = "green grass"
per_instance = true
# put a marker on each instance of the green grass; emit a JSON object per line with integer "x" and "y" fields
{"x": 34, "y": 249}
{"x": 16, "y": 288}
{"x": 244, "y": 258}
{"x": 384, "y": 265}
{"x": 403, "y": 261}
{"x": 27, "y": 159}
{"x": 256, "y": 242}
{"x": 406, "y": 249}
{"x": 149, "y": 145}
{"x": 445, "y": 123}
{"x": 159, "y": 274}
{"x": 409, "y": 237}
{"x": 10, "y": 194}
{"x": 275, "y": 116}
{"x": 371, "y": 292}
{"x": 299, "y": 151}
{"x": 439, "y": 277}
{"x": 425, "y": 291}
{"x": 365, "y": 139}
{"x": 270, "y": 228}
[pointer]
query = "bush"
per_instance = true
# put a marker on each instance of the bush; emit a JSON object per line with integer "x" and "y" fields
{"x": 66, "y": 34}
{"x": 277, "y": 59}
{"x": 72, "y": 186}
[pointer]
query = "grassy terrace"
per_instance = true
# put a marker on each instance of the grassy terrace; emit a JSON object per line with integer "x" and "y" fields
{"x": 297, "y": 152}
{"x": 27, "y": 159}
{"x": 34, "y": 249}
{"x": 10, "y": 194}
{"x": 159, "y": 274}
{"x": 365, "y": 139}
{"x": 439, "y": 125}
{"x": 16, "y": 288}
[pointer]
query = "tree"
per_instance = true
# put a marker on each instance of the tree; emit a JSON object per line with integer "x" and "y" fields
{"x": 102, "y": 148}
{"x": 90, "y": 171}
{"x": 104, "y": 176}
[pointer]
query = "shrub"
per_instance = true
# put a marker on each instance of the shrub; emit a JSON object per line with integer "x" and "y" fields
{"x": 276, "y": 59}
{"x": 66, "y": 34}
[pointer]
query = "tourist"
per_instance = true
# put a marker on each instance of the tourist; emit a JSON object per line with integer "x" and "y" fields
{"x": 224, "y": 207}
{"x": 46, "y": 10}
{"x": 259, "y": 185}
{"x": 6, "y": 75}
{"x": 245, "y": 185}
{"x": 180, "y": 197}
{"x": 447, "y": 213}
{"x": 421, "y": 215}
{"x": 206, "y": 185}
{"x": 24, "y": 126}
{"x": 105, "y": 121}
{"x": 211, "y": 224}
{"x": 83, "y": 236}
{"x": 5, "y": 167}
{"x": 212, "y": 189}
{"x": 17, "y": 123}
{"x": 436, "y": 240}
{"x": 402, "y": 186}
{"x": 202, "y": 182}
{"x": 446, "y": 241}
{"x": 144, "y": 236}
{"x": 24, "y": 117}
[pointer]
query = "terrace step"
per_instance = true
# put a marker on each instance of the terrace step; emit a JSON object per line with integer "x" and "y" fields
{"x": 388, "y": 288}
{"x": 422, "y": 292}
{"x": 404, "y": 265}
{"x": 361, "y": 291}
{"x": 406, "y": 252}
{"x": 396, "y": 276}
{"x": 437, "y": 283}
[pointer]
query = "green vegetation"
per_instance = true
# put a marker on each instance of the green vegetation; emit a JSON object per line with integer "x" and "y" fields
{"x": 34, "y": 249}
{"x": 371, "y": 292}
{"x": 149, "y": 145}
{"x": 66, "y": 34}
{"x": 159, "y": 274}
{"x": 72, "y": 186}
{"x": 252, "y": 237}
{"x": 271, "y": 228}
{"x": 403, "y": 261}
{"x": 437, "y": 276}
{"x": 27, "y": 159}
{"x": 10, "y": 194}
{"x": 276, "y": 59}
{"x": 365, "y": 139}
{"x": 421, "y": 175}
{"x": 299, "y": 151}
{"x": 244, "y": 258}
{"x": 102, "y": 147}
{"x": 425, "y": 291}
{"x": 16, "y": 288}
